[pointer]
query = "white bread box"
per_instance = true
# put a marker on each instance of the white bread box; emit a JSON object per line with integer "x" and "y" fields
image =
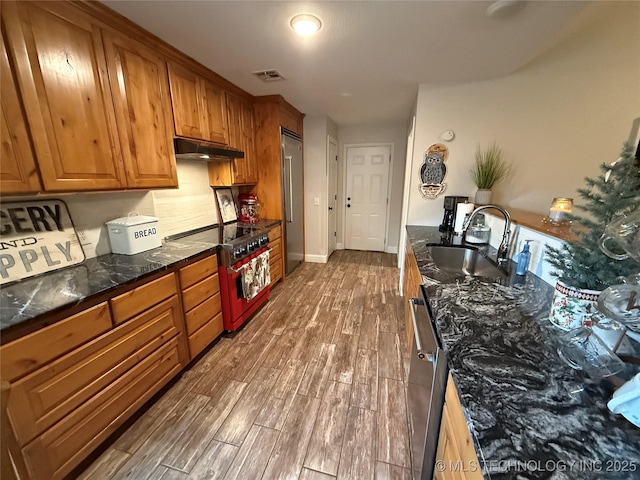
{"x": 133, "y": 234}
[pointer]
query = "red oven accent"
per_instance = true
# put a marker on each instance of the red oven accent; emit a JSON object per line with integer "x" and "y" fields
{"x": 235, "y": 308}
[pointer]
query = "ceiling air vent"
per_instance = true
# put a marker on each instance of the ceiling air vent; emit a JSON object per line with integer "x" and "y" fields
{"x": 269, "y": 75}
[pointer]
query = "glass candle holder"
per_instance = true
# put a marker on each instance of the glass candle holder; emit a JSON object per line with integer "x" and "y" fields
{"x": 560, "y": 208}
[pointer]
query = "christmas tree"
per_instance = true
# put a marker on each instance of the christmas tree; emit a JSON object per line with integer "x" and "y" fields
{"x": 580, "y": 262}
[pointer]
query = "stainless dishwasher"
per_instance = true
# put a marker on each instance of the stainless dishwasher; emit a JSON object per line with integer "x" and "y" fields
{"x": 426, "y": 388}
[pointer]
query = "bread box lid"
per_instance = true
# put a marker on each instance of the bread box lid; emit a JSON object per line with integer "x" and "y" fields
{"x": 132, "y": 219}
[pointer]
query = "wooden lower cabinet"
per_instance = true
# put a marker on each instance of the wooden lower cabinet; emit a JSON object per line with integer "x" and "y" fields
{"x": 201, "y": 302}
{"x": 412, "y": 280}
{"x": 456, "y": 453}
{"x": 56, "y": 452}
{"x": 275, "y": 256}
{"x": 72, "y": 384}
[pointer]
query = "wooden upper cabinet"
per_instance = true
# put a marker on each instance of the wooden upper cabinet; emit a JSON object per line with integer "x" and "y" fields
{"x": 140, "y": 87}
{"x": 236, "y": 138}
{"x": 241, "y": 171}
{"x": 188, "y": 113}
{"x": 199, "y": 107}
{"x": 248, "y": 133}
{"x": 61, "y": 72}
{"x": 291, "y": 120}
{"x": 215, "y": 108}
{"x": 18, "y": 172}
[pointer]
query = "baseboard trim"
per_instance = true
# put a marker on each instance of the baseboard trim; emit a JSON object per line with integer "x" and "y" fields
{"x": 315, "y": 258}
{"x": 391, "y": 249}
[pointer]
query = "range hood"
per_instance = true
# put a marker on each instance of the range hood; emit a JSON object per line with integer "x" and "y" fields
{"x": 203, "y": 151}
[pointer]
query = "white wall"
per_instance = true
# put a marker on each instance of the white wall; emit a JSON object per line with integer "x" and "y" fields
{"x": 316, "y": 129}
{"x": 396, "y": 134}
{"x": 557, "y": 119}
{"x": 190, "y": 206}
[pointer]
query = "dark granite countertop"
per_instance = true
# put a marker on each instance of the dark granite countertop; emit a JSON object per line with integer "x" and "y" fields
{"x": 51, "y": 292}
{"x": 530, "y": 415}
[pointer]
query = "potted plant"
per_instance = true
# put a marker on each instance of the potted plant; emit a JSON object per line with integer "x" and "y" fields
{"x": 487, "y": 170}
{"x": 582, "y": 269}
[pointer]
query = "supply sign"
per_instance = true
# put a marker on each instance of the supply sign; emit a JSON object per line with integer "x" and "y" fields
{"x": 36, "y": 237}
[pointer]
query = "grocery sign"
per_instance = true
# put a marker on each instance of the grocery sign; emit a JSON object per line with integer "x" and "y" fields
{"x": 36, "y": 237}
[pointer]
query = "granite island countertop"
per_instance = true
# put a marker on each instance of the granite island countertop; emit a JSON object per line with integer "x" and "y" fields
{"x": 530, "y": 415}
{"x": 51, "y": 292}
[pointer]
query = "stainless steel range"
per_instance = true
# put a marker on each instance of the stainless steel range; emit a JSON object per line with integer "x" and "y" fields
{"x": 239, "y": 241}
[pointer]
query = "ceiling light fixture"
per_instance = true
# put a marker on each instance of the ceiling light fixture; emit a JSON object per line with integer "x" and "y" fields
{"x": 505, "y": 8}
{"x": 306, "y": 24}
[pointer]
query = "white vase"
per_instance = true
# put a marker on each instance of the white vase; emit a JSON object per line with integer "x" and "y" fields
{"x": 483, "y": 197}
{"x": 572, "y": 307}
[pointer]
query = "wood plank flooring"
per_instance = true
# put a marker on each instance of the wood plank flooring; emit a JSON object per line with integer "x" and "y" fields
{"x": 312, "y": 388}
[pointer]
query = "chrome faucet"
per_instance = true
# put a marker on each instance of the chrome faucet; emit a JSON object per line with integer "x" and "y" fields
{"x": 503, "y": 250}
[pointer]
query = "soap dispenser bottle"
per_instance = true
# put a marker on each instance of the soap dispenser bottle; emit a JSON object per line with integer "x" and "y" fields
{"x": 523, "y": 259}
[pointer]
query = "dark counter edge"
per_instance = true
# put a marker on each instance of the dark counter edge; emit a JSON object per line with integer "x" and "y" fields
{"x": 29, "y": 324}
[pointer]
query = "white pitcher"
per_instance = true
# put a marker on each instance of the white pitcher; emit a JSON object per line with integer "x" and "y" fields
{"x": 626, "y": 401}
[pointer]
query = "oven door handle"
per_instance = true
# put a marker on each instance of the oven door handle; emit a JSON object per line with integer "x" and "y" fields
{"x": 426, "y": 344}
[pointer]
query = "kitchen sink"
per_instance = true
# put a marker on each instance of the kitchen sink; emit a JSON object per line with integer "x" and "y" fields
{"x": 464, "y": 260}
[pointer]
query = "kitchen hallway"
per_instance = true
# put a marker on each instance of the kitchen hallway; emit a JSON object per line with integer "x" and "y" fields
{"x": 312, "y": 388}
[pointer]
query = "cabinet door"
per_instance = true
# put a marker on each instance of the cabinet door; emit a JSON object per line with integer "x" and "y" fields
{"x": 61, "y": 71}
{"x": 18, "y": 172}
{"x": 236, "y": 139}
{"x": 251, "y": 169}
{"x": 140, "y": 87}
{"x": 187, "y": 102}
{"x": 215, "y": 108}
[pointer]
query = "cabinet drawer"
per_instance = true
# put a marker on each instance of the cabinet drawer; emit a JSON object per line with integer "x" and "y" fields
{"x": 57, "y": 451}
{"x": 140, "y": 299}
{"x": 201, "y": 314}
{"x": 192, "y": 274}
{"x": 276, "y": 271}
{"x": 36, "y": 349}
{"x": 207, "y": 334}
{"x": 198, "y": 293}
{"x": 275, "y": 233}
{"x": 276, "y": 248}
{"x": 47, "y": 395}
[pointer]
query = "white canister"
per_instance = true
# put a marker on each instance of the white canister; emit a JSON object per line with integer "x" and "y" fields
{"x": 133, "y": 234}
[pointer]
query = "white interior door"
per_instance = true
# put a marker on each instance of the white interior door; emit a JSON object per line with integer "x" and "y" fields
{"x": 367, "y": 185}
{"x": 332, "y": 193}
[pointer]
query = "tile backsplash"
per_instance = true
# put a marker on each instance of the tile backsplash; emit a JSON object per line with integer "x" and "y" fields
{"x": 538, "y": 264}
{"x": 190, "y": 206}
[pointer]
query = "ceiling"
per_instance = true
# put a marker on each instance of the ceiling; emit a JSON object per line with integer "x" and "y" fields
{"x": 365, "y": 64}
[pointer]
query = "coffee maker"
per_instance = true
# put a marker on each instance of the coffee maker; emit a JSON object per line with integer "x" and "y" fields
{"x": 450, "y": 207}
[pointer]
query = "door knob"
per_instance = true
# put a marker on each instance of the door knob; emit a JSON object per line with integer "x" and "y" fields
{"x": 348, "y": 205}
